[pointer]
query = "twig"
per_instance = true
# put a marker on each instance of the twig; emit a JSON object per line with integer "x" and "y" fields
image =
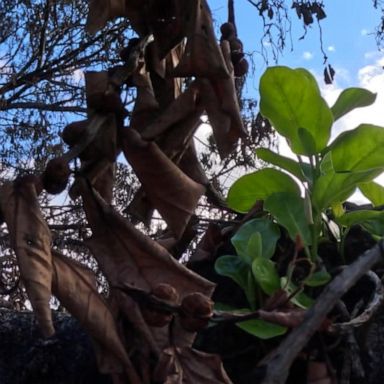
{"x": 279, "y": 363}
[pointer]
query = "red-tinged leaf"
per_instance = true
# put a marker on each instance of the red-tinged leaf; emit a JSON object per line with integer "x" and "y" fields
{"x": 75, "y": 287}
{"x": 202, "y": 56}
{"x": 170, "y": 191}
{"x": 31, "y": 240}
{"x": 189, "y": 366}
{"x": 291, "y": 318}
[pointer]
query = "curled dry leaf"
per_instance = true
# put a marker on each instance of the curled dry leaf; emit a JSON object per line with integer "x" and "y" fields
{"x": 178, "y": 111}
{"x": 220, "y": 101}
{"x": 101, "y": 11}
{"x": 129, "y": 258}
{"x": 140, "y": 208}
{"x": 189, "y": 366}
{"x": 146, "y": 106}
{"x": 202, "y": 56}
{"x": 31, "y": 240}
{"x": 167, "y": 20}
{"x": 170, "y": 191}
{"x": 208, "y": 245}
{"x": 75, "y": 287}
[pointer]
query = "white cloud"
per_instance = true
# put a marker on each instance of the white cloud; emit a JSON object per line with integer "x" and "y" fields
{"x": 307, "y": 55}
{"x": 364, "y": 32}
{"x": 331, "y": 48}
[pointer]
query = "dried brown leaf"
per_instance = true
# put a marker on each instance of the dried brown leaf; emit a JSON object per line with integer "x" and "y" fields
{"x": 170, "y": 191}
{"x": 129, "y": 258}
{"x": 101, "y": 11}
{"x": 202, "y": 56}
{"x": 74, "y": 285}
{"x": 207, "y": 246}
{"x": 140, "y": 208}
{"x": 185, "y": 106}
{"x": 31, "y": 240}
{"x": 189, "y": 366}
{"x": 146, "y": 106}
{"x": 220, "y": 101}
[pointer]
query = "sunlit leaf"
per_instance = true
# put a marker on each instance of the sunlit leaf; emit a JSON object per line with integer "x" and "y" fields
{"x": 291, "y": 100}
{"x": 374, "y": 192}
{"x": 351, "y": 99}
{"x": 283, "y": 162}
{"x": 289, "y": 211}
{"x": 373, "y": 221}
{"x": 244, "y": 193}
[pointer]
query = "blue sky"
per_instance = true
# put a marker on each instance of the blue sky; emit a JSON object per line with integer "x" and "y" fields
{"x": 348, "y": 40}
{"x": 348, "y": 37}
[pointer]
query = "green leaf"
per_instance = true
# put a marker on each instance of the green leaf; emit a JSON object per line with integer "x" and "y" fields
{"x": 258, "y": 185}
{"x": 289, "y": 211}
{"x": 236, "y": 269}
{"x": 291, "y": 100}
{"x": 333, "y": 188}
{"x": 264, "y": 272}
{"x": 262, "y": 329}
{"x": 233, "y": 267}
{"x": 300, "y": 298}
{"x": 318, "y": 278}
{"x": 351, "y": 99}
{"x": 283, "y": 162}
{"x": 307, "y": 141}
{"x": 360, "y": 149}
{"x": 326, "y": 165}
{"x": 374, "y": 192}
{"x": 254, "y": 246}
{"x": 357, "y": 157}
{"x": 269, "y": 232}
{"x": 372, "y": 221}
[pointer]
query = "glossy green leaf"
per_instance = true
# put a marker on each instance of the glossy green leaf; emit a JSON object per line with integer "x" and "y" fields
{"x": 236, "y": 269}
{"x": 333, "y": 188}
{"x": 233, "y": 267}
{"x": 289, "y": 211}
{"x": 254, "y": 246}
{"x": 300, "y": 298}
{"x": 360, "y": 149}
{"x": 268, "y": 231}
{"x": 318, "y": 278}
{"x": 326, "y": 165}
{"x": 372, "y": 221}
{"x": 374, "y": 192}
{"x": 265, "y": 274}
{"x": 357, "y": 157}
{"x": 351, "y": 99}
{"x": 291, "y": 100}
{"x": 262, "y": 329}
{"x": 283, "y": 162}
{"x": 258, "y": 185}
